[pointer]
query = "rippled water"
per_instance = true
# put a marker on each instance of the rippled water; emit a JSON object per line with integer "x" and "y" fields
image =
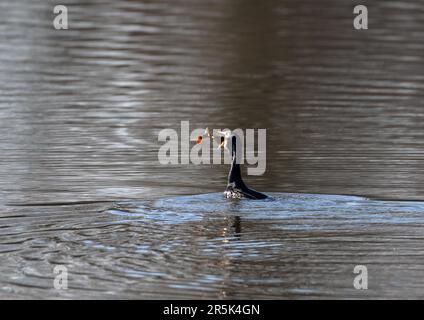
{"x": 80, "y": 184}
{"x": 205, "y": 246}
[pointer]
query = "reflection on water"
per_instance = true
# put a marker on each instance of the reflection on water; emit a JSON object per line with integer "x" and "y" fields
{"x": 80, "y": 111}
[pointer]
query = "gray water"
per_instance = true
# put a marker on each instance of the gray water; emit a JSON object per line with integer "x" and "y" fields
{"x": 81, "y": 186}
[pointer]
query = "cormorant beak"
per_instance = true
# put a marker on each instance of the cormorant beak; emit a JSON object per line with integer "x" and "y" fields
{"x": 199, "y": 139}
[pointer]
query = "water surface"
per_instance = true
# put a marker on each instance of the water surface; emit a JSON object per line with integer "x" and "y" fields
{"x": 80, "y": 184}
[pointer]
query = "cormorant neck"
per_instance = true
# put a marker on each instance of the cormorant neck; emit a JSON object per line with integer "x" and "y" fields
{"x": 234, "y": 176}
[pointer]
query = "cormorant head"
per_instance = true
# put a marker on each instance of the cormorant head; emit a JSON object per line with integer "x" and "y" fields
{"x": 225, "y": 139}
{"x": 228, "y": 142}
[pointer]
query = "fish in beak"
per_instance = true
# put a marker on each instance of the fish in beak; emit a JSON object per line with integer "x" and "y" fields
{"x": 199, "y": 139}
{"x": 207, "y": 133}
{"x": 221, "y": 137}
